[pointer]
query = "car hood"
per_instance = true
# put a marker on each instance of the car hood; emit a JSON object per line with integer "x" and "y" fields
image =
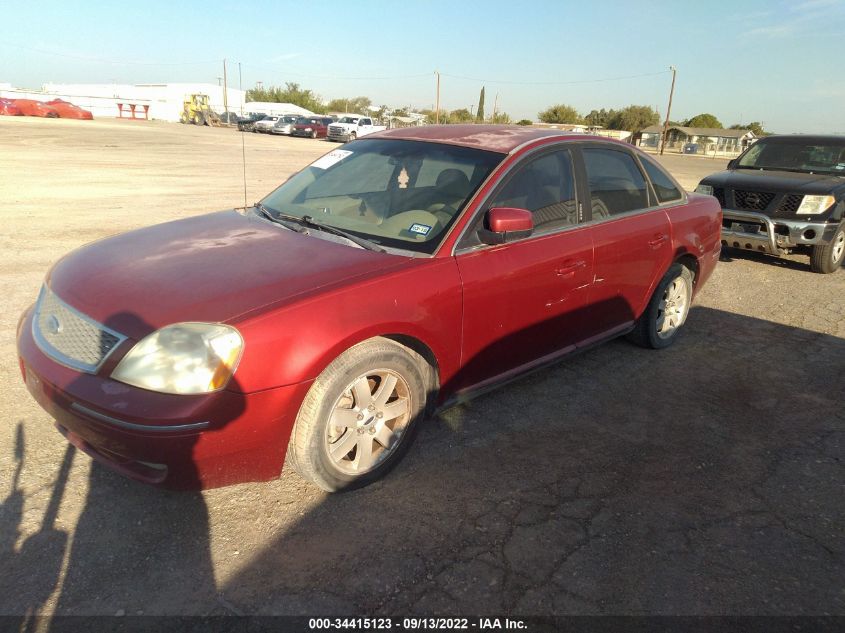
{"x": 214, "y": 268}
{"x": 776, "y": 181}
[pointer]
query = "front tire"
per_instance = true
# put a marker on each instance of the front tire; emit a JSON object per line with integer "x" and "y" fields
{"x": 359, "y": 417}
{"x": 828, "y": 258}
{"x": 667, "y": 310}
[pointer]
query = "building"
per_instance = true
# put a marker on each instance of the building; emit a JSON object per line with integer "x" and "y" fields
{"x": 697, "y": 140}
{"x": 272, "y": 108}
{"x": 160, "y": 101}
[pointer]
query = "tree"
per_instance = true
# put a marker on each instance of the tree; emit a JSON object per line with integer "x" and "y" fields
{"x": 705, "y": 121}
{"x": 461, "y": 115}
{"x": 600, "y": 118}
{"x": 754, "y": 126}
{"x": 479, "y": 114}
{"x": 291, "y": 93}
{"x": 524, "y": 122}
{"x": 634, "y": 119}
{"x": 502, "y": 118}
{"x": 560, "y": 113}
{"x": 355, "y": 105}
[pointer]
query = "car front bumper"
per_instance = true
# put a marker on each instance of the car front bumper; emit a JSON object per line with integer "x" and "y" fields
{"x": 175, "y": 441}
{"x": 774, "y": 236}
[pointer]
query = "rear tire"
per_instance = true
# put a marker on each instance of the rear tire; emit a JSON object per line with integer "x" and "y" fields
{"x": 828, "y": 258}
{"x": 360, "y": 416}
{"x": 667, "y": 310}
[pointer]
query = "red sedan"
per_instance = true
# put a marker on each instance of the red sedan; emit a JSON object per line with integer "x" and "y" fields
{"x": 392, "y": 277}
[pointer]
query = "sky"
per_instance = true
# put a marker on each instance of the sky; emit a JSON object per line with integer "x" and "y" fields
{"x": 773, "y": 61}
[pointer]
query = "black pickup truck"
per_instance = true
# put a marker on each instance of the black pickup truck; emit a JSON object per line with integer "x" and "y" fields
{"x": 785, "y": 194}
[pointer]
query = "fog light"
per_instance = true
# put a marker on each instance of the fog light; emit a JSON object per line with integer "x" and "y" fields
{"x": 809, "y": 234}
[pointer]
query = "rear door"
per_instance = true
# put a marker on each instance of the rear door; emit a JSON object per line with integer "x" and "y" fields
{"x": 631, "y": 236}
{"x": 524, "y": 301}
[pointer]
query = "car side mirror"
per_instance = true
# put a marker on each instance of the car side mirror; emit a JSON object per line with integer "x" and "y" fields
{"x": 506, "y": 224}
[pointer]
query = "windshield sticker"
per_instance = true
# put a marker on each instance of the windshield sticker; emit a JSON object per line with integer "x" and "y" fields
{"x": 332, "y": 158}
{"x": 420, "y": 229}
{"x": 403, "y": 180}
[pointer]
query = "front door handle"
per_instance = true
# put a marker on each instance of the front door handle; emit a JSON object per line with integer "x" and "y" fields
{"x": 658, "y": 240}
{"x": 569, "y": 268}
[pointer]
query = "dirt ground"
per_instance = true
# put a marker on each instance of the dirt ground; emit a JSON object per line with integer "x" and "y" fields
{"x": 704, "y": 479}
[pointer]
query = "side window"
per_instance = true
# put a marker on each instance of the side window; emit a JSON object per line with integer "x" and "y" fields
{"x": 663, "y": 186}
{"x": 616, "y": 183}
{"x": 366, "y": 122}
{"x": 546, "y": 187}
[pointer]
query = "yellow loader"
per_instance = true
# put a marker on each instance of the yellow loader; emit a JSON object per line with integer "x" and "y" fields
{"x": 196, "y": 110}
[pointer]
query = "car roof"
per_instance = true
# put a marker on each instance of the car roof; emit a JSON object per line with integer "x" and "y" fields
{"x": 494, "y": 138}
{"x": 806, "y": 138}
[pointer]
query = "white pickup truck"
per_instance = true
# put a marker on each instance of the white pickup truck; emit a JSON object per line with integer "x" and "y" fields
{"x": 351, "y": 127}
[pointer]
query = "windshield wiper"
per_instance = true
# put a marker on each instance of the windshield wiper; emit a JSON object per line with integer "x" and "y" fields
{"x": 273, "y": 216}
{"x": 310, "y": 222}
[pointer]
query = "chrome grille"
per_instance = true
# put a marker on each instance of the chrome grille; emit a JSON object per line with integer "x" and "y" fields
{"x": 752, "y": 200}
{"x": 70, "y": 337}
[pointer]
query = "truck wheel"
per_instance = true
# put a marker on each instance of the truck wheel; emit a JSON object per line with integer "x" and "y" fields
{"x": 313, "y": 134}
{"x": 659, "y": 324}
{"x": 352, "y": 136}
{"x": 359, "y": 417}
{"x": 828, "y": 258}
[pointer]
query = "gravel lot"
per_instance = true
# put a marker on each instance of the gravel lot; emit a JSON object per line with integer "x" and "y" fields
{"x": 704, "y": 479}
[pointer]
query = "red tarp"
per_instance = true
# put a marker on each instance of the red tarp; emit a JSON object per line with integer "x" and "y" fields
{"x": 8, "y": 108}
{"x": 68, "y": 110}
{"x": 35, "y": 108}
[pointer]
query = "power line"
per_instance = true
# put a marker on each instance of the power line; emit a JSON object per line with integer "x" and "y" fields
{"x": 554, "y": 83}
{"x": 100, "y": 60}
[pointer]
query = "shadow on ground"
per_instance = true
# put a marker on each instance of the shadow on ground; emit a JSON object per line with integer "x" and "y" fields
{"x": 703, "y": 479}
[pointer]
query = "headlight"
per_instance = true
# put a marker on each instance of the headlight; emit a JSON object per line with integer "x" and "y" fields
{"x": 811, "y": 205}
{"x": 308, "y": 129}
{"x": 183, "y": 358}
{"x": 706, "y": 189}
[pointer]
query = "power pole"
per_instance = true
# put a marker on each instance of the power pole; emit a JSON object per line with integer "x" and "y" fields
{"x": 225, "y": 89}
{"x": 668, "y": 111}
{"x": 437, "y": 107}
{"x": 241, "y": 88}
{"x": 495, "y": 104}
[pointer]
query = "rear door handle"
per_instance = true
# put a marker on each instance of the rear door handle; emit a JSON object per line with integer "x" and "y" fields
{"x": 569, "y": 267}
{"x": 658, "y": 240}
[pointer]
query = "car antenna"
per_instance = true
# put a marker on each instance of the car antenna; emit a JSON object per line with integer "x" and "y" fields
{"x": 243, "y": 161}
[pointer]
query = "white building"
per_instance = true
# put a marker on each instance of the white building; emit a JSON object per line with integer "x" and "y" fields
{"x": 162, "y": 101}
{"x": 272, "y": 108}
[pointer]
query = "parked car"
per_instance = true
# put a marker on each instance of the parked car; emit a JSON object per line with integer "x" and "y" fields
{"x": 247, "y": 123}
{"x": 785, "y": 194}
{"x": 284, "y": 125}
{"x": 68, "y": 110}
{"x": 314, "y": 127}
{"x": 8, "y": 108}
{"x": 349, "y": 128}
{"x": 391, "y": 278}
{"x": 230, "y": 118}
{"x": 265, "y": 125}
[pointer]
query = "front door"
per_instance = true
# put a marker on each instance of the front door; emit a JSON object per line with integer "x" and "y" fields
{"x": 524, "y": 301}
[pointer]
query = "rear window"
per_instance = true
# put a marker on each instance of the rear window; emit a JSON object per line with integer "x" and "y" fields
{"x": 663, "y": 186}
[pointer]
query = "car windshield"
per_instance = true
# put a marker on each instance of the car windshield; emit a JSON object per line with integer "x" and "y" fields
{"x": 400, "y": 194}
{"x": 796, "y": 154}
{"x": 302, "y": 121}
{"x": 349, "y": 119}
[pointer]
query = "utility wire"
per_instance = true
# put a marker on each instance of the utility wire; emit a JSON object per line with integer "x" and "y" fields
{"x": 554, "y": 83}
{"x": 100, "y": 60}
